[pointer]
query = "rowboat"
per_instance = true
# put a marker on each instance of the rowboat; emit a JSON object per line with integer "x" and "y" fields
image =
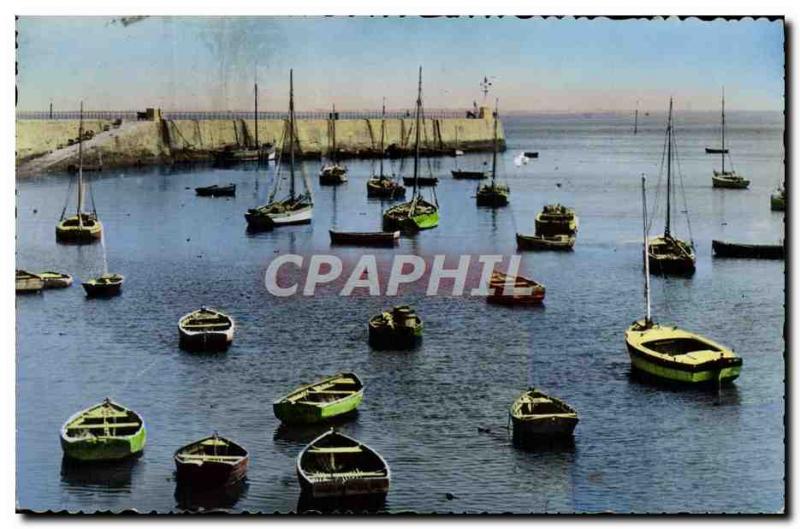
{"x": 107, "y": 285}
{"x": 543, "y": 242}
{"x": 205, "y": 330}
{"x": 55, "y": 279}
{"x": 105, "y": 432}
{"x": 729, "y": 180}
{"x": 671, "y": 256}
{"x": 216, "y": 190}
{"x": 422, "y": 181}
{"x": 211, "y": 462}
{"x": 531, "y": 154}
{"x": 410, "y": 217}
{"x": 399, "y": 328}
{"x": 464, "y": 174}
{"x": 555, "y": 219}
{"x": 371, "y": 238}
{"x": 522, "y": 291}
{"x": 326, "y": 399}
{"x": 536, "y": 416}
{"x": 384, "y": 187}
{"x": 28, "y": 283}
{"x": 713, "y": 150}
{"x": 747, "y": 251}
{"x": 336, "y": 465}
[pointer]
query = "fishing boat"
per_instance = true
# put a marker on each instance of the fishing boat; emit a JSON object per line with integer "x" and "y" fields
{"x": 562, "y": 243}
{"x": 398, "y": 328}
{"x": 536, "y": 416}
{"x": 418, "y": 214}
{"x": 83, "y": 227}
{"x": 28, "y": 282}
{"x": 777, "y": 201}
{"x": 104, "y": 286}
{"x": 294, "y": 208}
{"x": 381, "y": 185}
{"x": 332, "y": 173}
{"x": 667, "y": 254}
{"x": 370, "y": 238}
{"x": 673, "y": 355}
{"x": 211, "y": 462}
{"x": 514, "y": 290}
{"x": 727, "y": 179}
{"x": 216, "y": 190}
{"x": 105, "y": 432}
{"x": 555, "y": 219}
{"x": 493, "y": 195}
{"x": 333, "y": 396}
{"x": 747, "y": 251}
{"x": 206, "y": 330}
{"x": 335, "y": 465}
{"x": 55, "y": 279}
{"x": 531, "y": 154}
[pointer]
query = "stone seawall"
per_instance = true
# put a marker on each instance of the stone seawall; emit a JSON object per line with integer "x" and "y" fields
{"x": 42, "y": 144}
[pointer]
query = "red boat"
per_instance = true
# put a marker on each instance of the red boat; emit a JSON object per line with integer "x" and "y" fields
{"x": 211, "y": 462}
{"x": 534, "y": 294}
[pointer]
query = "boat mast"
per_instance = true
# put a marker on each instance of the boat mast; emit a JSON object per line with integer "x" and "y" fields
{"x": 646, "y": 259}
{"x": 669, "y": 168}
{"x": 80, "y": 167}
{"x": 333, "y": 135}
{"x": 255, "y": 113}
{"x": 494, "y": 152}
{"x": 722, "y": 155}
{"x": 416, "y": 134}
{"x": 291, "y": 134}
{"x": 383, "y": 130}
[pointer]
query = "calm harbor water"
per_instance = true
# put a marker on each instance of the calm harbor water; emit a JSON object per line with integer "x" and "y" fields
{"x": 637, "y": 448}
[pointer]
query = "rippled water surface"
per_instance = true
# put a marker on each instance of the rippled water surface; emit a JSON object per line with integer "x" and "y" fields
{"x": 637, "y": 448}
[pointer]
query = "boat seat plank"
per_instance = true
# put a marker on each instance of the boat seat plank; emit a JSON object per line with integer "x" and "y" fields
{"x": 102, "y": 426}
{"x": 332, "y": 392}
{"x": 353, "y": 474}
{"x": 335, "y": 450}
{"x": 198, "y": 457}
{"x": 99, "y": 414}
{"x": 546, "y": 415}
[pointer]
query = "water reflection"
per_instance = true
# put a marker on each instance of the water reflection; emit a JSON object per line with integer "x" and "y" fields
{"x": 109, "y": 476}
{"x": 221, "y": 498}
{"x": 342, "y": 505}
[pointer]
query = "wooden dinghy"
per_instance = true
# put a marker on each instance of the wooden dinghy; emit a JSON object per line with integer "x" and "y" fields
{"x": 562, "y": 243}
{"x": 555, "y": 219}
{"x": 105, "y": 286}
{"x": 105, "y": 432}
{"x": 216, "y": 190}
{"x": 326, "y": 399}
{"x": 370, "y": 238}
{"x": 533, "y": 295}
{"x": 465, "y": 174}
{"x": 384, "y": 187}
{"x": 211, "y": 462}
{"x": 747, "y": 251}
{"x": 55, "y": 279}
{"x": 422, "y": 181}
{"x": 28, "y": 282}
{"x": 536, "y": 416}
{"x": 205, "y": 330}
{"x": 399, "y": 328}
{"x": 335, "y": 465}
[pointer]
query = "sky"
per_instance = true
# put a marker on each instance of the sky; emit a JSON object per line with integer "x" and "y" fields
{"x": 534, "y": 65}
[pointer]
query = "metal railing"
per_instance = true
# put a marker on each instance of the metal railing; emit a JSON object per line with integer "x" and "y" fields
{"x": 236, "y": 114}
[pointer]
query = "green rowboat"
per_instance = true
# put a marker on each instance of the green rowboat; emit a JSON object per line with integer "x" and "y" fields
{"x": 105, "y": 432}
{"x": 321, "y": 401}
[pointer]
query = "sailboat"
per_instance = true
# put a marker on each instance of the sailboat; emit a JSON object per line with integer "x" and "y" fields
{"x": 777, "y": 201}
{"x": 381, "y": 185}
{"x": 493, "y": 194}
{"x": 466, "y": 174}
{"x": 294, "y": 208}
{"x": 670, "y": 354}
{"x": 332, "y": 173}
{"x": 727, "y": 179}
{"x": 418, "y": 214}
{"x": 668, "y": 254}
{"x": 231, "y": 154}
{"x": 83, "y": 227}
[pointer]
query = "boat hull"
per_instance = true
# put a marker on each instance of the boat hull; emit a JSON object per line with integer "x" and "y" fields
{"x": 777, "y": 202}
{"x": 331, "y": 176}
{"x": 747, "y": 251}
{"x": 75, "y": 234}
{"x": 303, "y": 413}
{"x": 412, "y": 224}
{"x": 469, "y": 175}
{"x": 267, "y": 221}
{"x": 537, "y": 243}
{"x": 210, "y": 474}
{"x": 205, "y": 342}
{"x": 422, "y": 181}
{"x": 386, "y": 238}
{"x": 56, "y": 280}
{"x": 526, "y": 431}
{"x": 551, "y": 228}
{"x": 100, "y": 449}
{"x": 376, "y": 190}
{"x": 102, "y": 291}
{"x": 707, "y": 376}
{"x": 729, "y": 183}
{"x": 28, "y": 283}
{"x": 395, "y": 339}
{"x": 492, "y": 200}
{"x": 674, "y": 266}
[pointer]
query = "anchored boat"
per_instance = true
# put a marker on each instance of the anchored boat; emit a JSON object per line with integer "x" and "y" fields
{"x": 521, "y": 290}
{"x": 562, "y": 243}
{"x": 493, "y": 195}
{"x": 326, "y": 399}
{"x": 335, "y": 465}
{"x": 418, "y": 214}
{"x": 727, "y": 179}
{"x": 777, "y": 201}
{"x": 536, "y": 416}
{"x": 211, "y": 462}
{"x": 332, "y": 173}
{"x": 555, "y": 219}
{"x": 747, "y": 251}
{"x": 28, "y": 282}
{"x": 421, "y": 181}
{"x": 206, "y": 330}
{"x": 371, "y": 238}
{"x": 83, "y": 227}
{"x": 399, "y": 328}
{"x": 216, "y": 190}
{"x": 295, "y": 208}
{"x": 670, "y": 354}
{"x": 107, "y": 285}
{"x": 380, "y": 185}
{"x": 105, "y": 432}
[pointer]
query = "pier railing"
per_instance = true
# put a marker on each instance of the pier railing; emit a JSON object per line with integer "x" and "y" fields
{"x": 236, "y": 114}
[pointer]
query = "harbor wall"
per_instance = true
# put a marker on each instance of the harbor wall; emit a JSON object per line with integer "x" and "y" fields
{"x": 169, "y": 141}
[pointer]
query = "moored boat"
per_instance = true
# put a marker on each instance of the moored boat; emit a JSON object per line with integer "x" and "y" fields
{"x": 747, "y": 251}
{"x": 332, "y": 173}
{"x": 562, "y": 243}
{"x": 211, "y": 462}
{"x": 464, "y": 174}
{"x": 777, "y": 201}
{"x": 105, "y": 432}
{"x": 421, "y": 181}
{"x": 516, "y": 290}
{"x": 55, "y": 279}
{"x": 531, "y": 154}
{"x": 399, "y": 328}
{"x": 28, "y": 282}
{"x": 712, "y": 150}
{"x": 107, "y": 285}
{"x": 493, "y": 194}
{"x": 216, "y": 190}
{"x": 556, "y": 219}
{"x": 381, "y": 185}
{"x": 726, "y": 179}
{"x": 327, "y": 399}
{"x": 372, "y": 238}
{"x": 536, "y": 416}
{"x": 206, "y": 330}
{"x": 335, "y": 465}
